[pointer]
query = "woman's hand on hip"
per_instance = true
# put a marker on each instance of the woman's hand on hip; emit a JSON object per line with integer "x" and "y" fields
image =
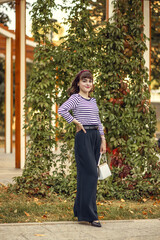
{"x": 79, "y": 126}
{"x": 103, "y": 146}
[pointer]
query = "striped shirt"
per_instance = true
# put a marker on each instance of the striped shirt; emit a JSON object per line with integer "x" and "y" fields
{"x": 84, "y": 111}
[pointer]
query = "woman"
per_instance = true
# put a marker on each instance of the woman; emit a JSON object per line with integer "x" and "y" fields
{"x": 89, "y": 142}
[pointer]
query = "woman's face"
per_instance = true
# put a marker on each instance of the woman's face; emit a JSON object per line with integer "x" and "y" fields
{"x": 85, "y": 85}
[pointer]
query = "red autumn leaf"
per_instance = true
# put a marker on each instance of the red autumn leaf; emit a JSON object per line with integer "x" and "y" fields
{"x": 115, "y": 151}
{"x": 144, "y": 213}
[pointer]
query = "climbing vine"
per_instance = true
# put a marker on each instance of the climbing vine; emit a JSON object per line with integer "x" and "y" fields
{"x": 114, "y": 53}
{"x": 129, "y": 119}
{"x": 40, "y": 94}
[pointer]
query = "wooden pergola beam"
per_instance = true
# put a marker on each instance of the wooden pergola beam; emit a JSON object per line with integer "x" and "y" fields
{"x": 5, "y": 1}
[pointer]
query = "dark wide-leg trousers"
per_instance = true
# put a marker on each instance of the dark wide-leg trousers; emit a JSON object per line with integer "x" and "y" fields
{"x": 87, "y": 152}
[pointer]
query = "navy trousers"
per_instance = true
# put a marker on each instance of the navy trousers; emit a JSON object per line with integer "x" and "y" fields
{"x": 87, "y": 152}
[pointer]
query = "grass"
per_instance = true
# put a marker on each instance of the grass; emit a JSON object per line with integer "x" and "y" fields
{"x": 15, "y": 208}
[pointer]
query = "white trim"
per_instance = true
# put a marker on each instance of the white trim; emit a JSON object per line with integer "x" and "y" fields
{"x": 8, "y": 97}
{"x": 111, "y": 8}
{"x": 5, "y": 1}
{"x": 155, "y": 95}
{"x": 155, "y": 91}
{"x": 12, "y": 35}
{"x": 6, "y": 33}
{"x": 2, "y": 55}
{"x": 31, "y": 43}
{"x": 28, "y": 60}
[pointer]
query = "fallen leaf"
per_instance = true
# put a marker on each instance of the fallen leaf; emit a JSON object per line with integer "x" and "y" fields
{"x": 65, "y": 200}
{"x": 38, "y": 203}
{"x": 144, "y": 213}
{"x": 44, "y": 216}
{"x": 121, "y": 207}
{"x": 100, "y": 203}
{"x": 27, "y": 214}
{"x": 144, "y": 199}
{"x": 131, "y": 211}
{"x": 150, "y": 211}
{"x": 36, "y": 199}
{"x": 122, "y": 200}
{"x": 39, "y": 235}
{"x": 101, "y": 217}
{"x": 15, "y": 211}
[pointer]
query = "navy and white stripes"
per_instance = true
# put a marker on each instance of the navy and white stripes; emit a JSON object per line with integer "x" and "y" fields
{"x": 84, "y": 111}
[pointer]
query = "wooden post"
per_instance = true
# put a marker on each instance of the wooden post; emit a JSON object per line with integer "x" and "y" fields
{"x": 11, "y": 95}
{"x": 20, "y": 83}
{"x": 8, "y": 87}
{"x": 17, "y": 87}
{"x": 23, "y": 79}
{"x": 109, "y": 9}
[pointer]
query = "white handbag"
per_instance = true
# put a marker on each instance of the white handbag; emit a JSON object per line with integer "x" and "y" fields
{"x": 103, "y": 169}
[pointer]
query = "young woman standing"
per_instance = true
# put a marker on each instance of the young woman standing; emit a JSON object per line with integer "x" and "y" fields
{"x": 89, "y": 142}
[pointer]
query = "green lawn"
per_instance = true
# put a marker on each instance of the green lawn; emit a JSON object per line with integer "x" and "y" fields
{"x": 21, "y": 208}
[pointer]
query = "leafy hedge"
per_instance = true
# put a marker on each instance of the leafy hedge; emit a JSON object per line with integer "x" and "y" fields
{"x": 114, "y": 53}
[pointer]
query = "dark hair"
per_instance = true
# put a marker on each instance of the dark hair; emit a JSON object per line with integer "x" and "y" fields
{"x": 81, "y": 75}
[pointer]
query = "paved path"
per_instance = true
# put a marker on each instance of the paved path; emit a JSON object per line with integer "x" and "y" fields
{"x": 7, "y": 168}
{"x": 110, "y": 230}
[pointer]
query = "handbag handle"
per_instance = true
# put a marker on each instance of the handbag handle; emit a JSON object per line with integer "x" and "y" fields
{"x": 100, "y": 158}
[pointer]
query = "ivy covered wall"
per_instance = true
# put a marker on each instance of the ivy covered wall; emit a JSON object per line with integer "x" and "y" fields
{"x": 114, "y": 53}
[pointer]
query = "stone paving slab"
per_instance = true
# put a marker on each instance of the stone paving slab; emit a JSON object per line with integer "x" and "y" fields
{"x": 111, "y": 230}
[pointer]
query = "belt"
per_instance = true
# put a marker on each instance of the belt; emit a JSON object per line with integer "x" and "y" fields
{"x": 90, "y": 127}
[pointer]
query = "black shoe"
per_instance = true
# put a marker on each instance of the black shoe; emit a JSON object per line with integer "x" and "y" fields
{"x": 96, "y": 223}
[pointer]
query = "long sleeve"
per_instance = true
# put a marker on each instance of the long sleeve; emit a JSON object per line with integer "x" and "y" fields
{"x": 64, "y": 109}
{"x": 100, "y": 125}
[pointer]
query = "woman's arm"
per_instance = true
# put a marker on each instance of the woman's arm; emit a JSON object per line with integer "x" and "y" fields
{"x": 68, "y": 105}
{"x": 64, "y": 109}
{"x": 79, "y": 126}
{"x": 103, "y": 144}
